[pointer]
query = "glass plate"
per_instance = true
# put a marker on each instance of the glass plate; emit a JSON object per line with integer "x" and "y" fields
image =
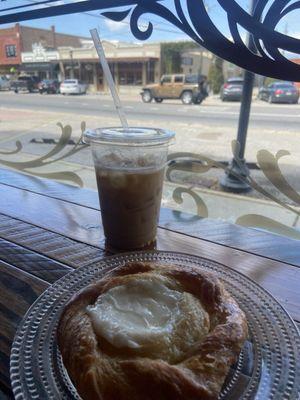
{"x": 267, "y": 368}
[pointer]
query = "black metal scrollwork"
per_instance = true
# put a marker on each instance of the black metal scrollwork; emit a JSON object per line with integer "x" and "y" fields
{"x": 268, "y": 61}
{"x": 192, "y": 18}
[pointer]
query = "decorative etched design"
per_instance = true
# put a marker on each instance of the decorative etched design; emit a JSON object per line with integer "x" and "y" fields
{"x": 48, "y": 159}
{"x": 192, "y": 18}
{"x": 269, "y": 165}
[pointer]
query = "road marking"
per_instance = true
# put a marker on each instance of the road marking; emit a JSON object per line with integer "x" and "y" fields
{"x": 66, "y": 102}
{"x": 153, "y": 108}
{"x": 106, "y": 106}
{"x": 253, "y": 114}
{"x": 84, "y": 104}
{"x": 129, "y": 107}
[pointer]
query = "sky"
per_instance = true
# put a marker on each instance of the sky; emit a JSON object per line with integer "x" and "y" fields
{"x": 79, "y": 24}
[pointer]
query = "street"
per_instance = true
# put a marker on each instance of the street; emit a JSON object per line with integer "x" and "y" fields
{"x": 206, "y": 129}
{"x": 211, "y": 111}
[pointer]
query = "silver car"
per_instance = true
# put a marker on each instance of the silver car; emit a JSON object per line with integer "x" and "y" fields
{"x": 72, "y": 86}
{"x": 4, "y": 83}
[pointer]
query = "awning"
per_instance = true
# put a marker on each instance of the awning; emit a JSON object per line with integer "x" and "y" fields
{"x": 110, "y": 60}
{"x": 34, "y": 67}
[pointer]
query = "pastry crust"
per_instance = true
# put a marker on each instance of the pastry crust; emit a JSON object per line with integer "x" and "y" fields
{"x": 100, "y": 371}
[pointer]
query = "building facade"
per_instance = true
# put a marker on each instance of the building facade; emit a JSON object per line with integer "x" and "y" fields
{"x": 49, "y": 54}
{"x": 131, "y": 64}
{"x": 196, "y": 61}
{"x": 10, "y": 49}
{"x": 40, "y": 62}
{"x": 21, "y": 39}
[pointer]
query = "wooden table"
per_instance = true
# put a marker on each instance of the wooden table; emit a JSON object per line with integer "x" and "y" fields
{"x": 48, "y": 229}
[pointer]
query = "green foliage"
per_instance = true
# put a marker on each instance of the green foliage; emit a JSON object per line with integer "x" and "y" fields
{"x": 268, "y": 81}
{"x": 171, "y": 55}
{"x": 215, "y": 74}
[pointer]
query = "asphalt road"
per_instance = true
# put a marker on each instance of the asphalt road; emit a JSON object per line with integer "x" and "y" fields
{"x": 211, "y": 111}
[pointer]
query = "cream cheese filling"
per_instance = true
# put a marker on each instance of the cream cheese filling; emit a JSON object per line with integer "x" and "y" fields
{"x": 136, "y": 313}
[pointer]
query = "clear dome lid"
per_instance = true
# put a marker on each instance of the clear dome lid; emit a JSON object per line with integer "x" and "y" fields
{"x": 133, "y": 136}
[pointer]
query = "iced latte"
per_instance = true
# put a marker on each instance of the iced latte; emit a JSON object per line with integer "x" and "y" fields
{"x": 130, "y": 171}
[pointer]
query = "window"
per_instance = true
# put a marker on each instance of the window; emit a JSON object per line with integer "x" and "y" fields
{"x": 10, "y": 50}
{"x": 192, "y": 79}
{"x": 187, "y": 61}
{"x": 130, "y": 73}
{"x": 166, "y": 79}
{"x": 178, "y": 79}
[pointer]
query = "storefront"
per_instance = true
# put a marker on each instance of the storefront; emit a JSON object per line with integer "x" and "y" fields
{"x": 40, "y": 62}
{"x": 41, "y": 70}
{"x": 131, "y": 65}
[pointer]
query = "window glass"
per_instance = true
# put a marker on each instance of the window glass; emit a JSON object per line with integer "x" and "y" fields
{"x": 166, "y": 79}
{"x": 206, "y": 123}
{"x": 178, "y": 79}
{"x": 192, "y": 78}
{"x": 187, "y": 61}
{"x": 10, "y": 50}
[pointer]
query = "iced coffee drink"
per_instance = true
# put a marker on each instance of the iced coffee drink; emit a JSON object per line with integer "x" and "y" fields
{"x": 130, "y": 171}
{"x": 130, "y": 204}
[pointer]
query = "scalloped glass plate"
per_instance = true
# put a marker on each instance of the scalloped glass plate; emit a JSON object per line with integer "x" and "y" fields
{"x": 268, "y": 366}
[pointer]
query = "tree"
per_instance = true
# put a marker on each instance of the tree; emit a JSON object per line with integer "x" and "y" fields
{"x": 215, "y": 74}
{"x": 171, "y": 55}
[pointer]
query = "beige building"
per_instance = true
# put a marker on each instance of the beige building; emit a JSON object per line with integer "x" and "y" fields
{"x": 196, "y": 61}
{"x": 131, "y": 64}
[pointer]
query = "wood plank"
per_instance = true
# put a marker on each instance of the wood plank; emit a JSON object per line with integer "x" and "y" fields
{"x": 70, "y": 220}
{"x": 84, "y": 224}
{"x": 251, "y": 240}
{"x": 272, "y": 275}
{"x": 47, "y": 187}
{"x": 50, "y": 244}
{"x": 269, "y": 245}
{"x": 281, "y": 280}
{"x": 18, "y": 290}
{"x": 80, "y": 223}
{"x": 31, "y": 262}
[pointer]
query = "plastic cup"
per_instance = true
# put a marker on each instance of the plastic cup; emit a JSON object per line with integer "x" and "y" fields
{"x": 129, "y": 166}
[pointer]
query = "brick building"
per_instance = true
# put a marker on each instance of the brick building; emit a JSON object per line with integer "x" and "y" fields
{"x": 10, "y": 48}
{"x": 18, "y": 39}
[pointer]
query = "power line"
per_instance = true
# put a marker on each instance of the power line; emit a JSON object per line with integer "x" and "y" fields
{"x": 128, "y": 23}
{"x": 122, "y": 22}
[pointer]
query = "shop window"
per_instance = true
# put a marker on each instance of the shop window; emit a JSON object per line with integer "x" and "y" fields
{"x": 130, "y": 74}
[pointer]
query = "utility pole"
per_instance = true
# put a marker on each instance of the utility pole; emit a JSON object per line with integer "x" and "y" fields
{"x": 72, "y": 64}
{"x": 238, "y": 172}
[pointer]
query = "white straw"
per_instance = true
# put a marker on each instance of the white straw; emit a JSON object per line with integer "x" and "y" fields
{"x": 109, "y": 78}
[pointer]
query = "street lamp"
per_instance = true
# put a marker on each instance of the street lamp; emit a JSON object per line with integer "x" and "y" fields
{"x": 235, "y": 179}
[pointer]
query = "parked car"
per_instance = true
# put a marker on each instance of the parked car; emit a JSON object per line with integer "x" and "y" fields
{"x": 72, "y": 86}
{"x": 232, "y": 89}
{"x": 50, "y": 86}
{"x": 25, "y": 83}
{"x": 4, "y": 83}
{"x": 189, "y": 88}
{"x": 279, "y": 92}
